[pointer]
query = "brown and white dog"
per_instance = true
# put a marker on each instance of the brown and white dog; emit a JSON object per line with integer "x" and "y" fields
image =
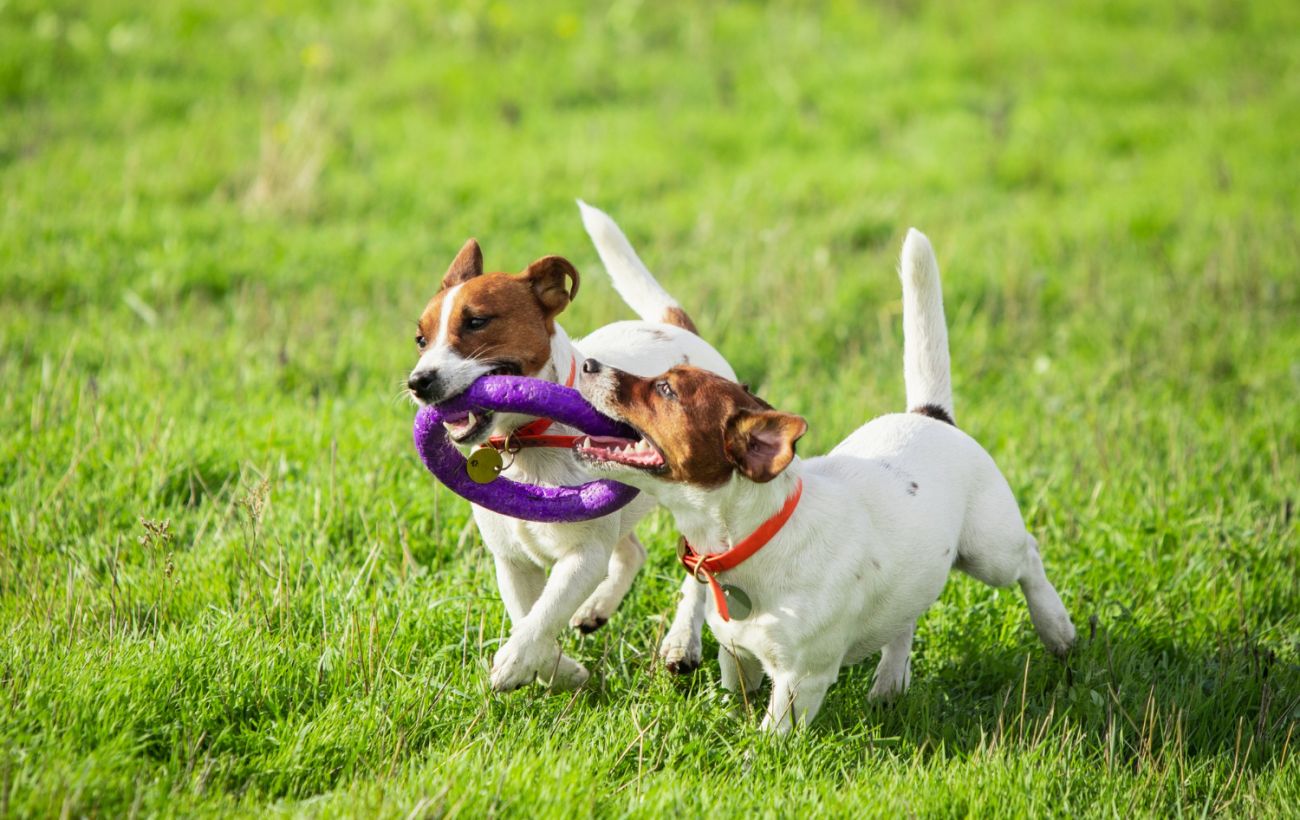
{"x": 833, "y": 558}
{"x": 498, "y": 323}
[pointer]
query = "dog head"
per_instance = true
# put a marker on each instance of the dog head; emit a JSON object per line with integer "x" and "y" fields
{"x": 480, "y": 324}
{"x": 697, "y": 428}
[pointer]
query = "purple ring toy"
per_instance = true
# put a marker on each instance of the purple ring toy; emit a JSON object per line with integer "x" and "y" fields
{"x": 534, "y": 397}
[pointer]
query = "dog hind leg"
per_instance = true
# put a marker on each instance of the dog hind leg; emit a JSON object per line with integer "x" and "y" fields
{"x": 995, "y": 548}
{"x": 1051, "y": 621}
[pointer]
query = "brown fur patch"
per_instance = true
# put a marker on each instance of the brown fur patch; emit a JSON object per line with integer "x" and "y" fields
{"x": 706, "y": 426}
{"x": 677, "y": 317}
{"x": 519, "y": 310}
{"x": 935, "y": 412}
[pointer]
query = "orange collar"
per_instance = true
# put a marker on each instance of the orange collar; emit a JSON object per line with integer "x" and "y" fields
{"x": 530, "y": 435}
{"x": 716, "y": 562}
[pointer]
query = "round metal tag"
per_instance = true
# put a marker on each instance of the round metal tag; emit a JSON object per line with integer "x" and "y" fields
{"x": 738, "y": 604}
{"x": 483, "y": 465}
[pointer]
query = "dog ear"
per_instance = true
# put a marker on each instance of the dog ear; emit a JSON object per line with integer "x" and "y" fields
{"x": 467, "y": 264}
{"x": 550, "y": 277}
{"x": 761, "y": 442}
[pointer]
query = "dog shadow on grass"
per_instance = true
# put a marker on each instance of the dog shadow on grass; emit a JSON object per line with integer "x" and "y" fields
{"x": 1124, "y": 695}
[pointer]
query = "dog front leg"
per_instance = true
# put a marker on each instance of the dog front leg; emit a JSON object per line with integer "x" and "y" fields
{"x": 532, "y": 650}
{"x": 681, "y": 649}
{"x": 520, "y": 585}
{"x": 740, "y": 672}
{"x": 624, "y": 564}
{"x": 796, "y": 699}
{"x": 895, "y": 670}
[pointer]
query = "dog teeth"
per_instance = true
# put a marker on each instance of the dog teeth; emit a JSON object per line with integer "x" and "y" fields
{"x": 471, "y": 421}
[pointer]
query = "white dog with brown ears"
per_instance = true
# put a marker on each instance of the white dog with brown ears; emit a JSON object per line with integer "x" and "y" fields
{"x": 817, "y": 564}
{"x": 496, "y": 323}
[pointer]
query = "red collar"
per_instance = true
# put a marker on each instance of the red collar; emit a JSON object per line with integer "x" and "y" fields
{"x": 716, "y": 562}
{"x": 530, "y": 435}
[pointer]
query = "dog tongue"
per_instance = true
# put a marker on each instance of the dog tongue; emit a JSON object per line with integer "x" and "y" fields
{"x": 460, "y": 423}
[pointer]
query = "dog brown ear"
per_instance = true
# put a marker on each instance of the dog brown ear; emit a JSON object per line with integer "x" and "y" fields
{"x": 550, "y": 277}
{"x": 467, "y": 264}
{"x": 761, "y": 442}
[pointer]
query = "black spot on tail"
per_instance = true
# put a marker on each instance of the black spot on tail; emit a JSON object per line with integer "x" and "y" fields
{"x": 936, "y": 412}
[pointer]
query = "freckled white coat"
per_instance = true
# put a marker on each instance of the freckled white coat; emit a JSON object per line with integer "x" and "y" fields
{"x": 882, "y": 520}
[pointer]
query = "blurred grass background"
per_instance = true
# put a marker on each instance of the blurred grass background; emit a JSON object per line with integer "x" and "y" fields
{"x": 227, "y": 585}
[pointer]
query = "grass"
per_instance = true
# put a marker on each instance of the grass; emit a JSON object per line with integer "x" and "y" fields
{"x": 227, "y": 585}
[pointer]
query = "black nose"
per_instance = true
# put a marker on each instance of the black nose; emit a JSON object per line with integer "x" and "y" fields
{"x": 590, "y": 366}
{"x": 424, "y": 384}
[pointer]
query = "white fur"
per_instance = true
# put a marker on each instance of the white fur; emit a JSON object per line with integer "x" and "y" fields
{"x": 926, "y": 367}
{"x": 592, "y": 564}
{"x": 444, "y": 316}
{"x": 632, "y": 280}
{"x": 456, "y": 372}
{"x": 883, "y": 519}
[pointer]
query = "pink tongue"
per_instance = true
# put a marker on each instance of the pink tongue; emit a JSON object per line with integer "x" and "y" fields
{"x": 459, "y": 424}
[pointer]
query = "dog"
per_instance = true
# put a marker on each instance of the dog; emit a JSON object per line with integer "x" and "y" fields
{"x": 480, "y": 324}
{"x": 861, "y": 540}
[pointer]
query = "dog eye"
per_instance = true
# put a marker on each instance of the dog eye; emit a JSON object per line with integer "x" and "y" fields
{"x": 664, "y": 389}
{"x": 420, "y": 342}
{"x": 476, "y": 322}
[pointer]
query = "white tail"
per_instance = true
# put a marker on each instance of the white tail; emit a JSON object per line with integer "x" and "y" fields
{"x": 631, "y": 278}
{"x": 926, "y": 368}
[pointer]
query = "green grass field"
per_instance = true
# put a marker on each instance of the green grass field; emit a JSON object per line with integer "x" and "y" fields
{"x": 228, "y": 586}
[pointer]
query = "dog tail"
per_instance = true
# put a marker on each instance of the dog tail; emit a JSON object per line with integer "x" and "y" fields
{"x": 632, "y": 279}
{"x": 926, "y": 367}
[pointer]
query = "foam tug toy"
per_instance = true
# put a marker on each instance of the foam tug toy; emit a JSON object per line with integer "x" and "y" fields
{"x": 478, "y": 479}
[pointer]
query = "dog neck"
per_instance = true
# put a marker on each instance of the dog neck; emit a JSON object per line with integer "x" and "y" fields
{"x": 712, "y": 520}
{"x": 564, "y": 356}
{"x": 550, "y": 465}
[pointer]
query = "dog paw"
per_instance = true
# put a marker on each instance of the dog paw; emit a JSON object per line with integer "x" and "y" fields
{"x": 594, "y": 613}
{"x": 1057, "y": 635}
{"x": 519, "y": 662}
{"x": 890, "y": 685}
{"x": 588, "y": 622}
{"x": 886, "y": 692}
{"x": 568, "y": 675}
{"x": 681, "y": 655}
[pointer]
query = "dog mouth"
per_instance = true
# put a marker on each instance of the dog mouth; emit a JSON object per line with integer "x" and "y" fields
{"x": 637, "y": 453}
{"x": 467, "y": 426}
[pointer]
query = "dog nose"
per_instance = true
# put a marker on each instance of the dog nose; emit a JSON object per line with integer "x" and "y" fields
{"x": 424, "y": 384}
{"x": 590, "y": 366}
